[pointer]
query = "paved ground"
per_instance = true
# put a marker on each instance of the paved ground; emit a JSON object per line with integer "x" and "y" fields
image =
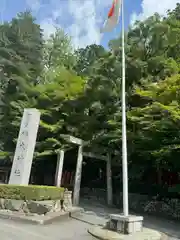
{"x": 70, "y": 229}
{"x": 172, "y": 229}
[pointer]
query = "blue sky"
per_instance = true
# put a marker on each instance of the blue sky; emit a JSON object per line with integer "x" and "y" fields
{"x": 82, "y": 19}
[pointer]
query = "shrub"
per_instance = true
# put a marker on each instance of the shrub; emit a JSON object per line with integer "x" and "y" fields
{"x": 30, "y": 192}
{"x": 174, "y": 191}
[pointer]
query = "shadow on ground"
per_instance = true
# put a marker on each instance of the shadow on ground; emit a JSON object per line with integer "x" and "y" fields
{"x": 170, "y": 228}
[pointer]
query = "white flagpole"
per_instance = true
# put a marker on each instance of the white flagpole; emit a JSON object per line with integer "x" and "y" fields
{"x": 124, "y": 137}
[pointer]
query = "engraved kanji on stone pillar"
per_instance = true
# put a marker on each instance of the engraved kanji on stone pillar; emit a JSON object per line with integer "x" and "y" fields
{"x": 22, "y": 162}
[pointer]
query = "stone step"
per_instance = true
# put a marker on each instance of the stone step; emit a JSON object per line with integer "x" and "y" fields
{"x": 40, "y": 219}
{"x": 92, "y": 219}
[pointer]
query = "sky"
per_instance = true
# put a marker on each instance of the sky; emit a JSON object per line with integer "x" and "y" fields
{"x": 82, "y": 19}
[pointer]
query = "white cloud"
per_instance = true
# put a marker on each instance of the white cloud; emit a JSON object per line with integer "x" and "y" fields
{"x": 149, "y": 7}
{"x": 49, "y": 27}
{"x": 34, "y": 5}
{"x": 84, "y": 29}
{"x": 81, "y": 19}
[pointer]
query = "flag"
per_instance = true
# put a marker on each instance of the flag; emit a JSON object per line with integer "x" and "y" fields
{"x": 113, "y": 16}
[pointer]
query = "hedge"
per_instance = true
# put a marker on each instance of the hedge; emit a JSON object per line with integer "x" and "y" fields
{"x": 30, "y": 192}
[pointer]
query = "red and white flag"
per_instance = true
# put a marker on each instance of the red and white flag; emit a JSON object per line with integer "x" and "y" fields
{"x": 113, "y": 16}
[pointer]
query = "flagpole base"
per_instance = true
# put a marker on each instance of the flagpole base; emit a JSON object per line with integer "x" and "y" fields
{"x": 125, "y": 224}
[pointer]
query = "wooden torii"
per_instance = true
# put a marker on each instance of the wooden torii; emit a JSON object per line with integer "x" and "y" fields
{"x": 60, "y": 161}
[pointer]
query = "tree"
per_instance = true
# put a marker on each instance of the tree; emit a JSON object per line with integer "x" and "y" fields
{"x": 58, "y": 51}
{"x": 155, "y": 125}
{"x": 27, "y": 43}
{"x": 21, "y": 63}
{"x": 79, "y": 92}
{"x": 53, "y": 100}
{"x": 87, "y": 57}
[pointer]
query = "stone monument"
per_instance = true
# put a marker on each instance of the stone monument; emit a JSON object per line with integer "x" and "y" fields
{"x": 22, "y": 162}
{"x": 59, "y": 168}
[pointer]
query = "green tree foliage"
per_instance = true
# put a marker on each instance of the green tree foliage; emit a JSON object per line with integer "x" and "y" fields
{"x": 58, "y": 51}
{"x": 87, "y": 57}
{"x": 152, "y": 67}
{"x": 21, "y": 46}
{"x": 79, "y": 92}
{"x": 56, "y": 102}
{"x": 156, "y": 122}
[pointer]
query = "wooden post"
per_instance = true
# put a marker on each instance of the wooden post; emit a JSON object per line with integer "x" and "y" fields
{"x": 59, "y": 168}
{"x": 109, "y": 181}
{"x": 77, "y": 183}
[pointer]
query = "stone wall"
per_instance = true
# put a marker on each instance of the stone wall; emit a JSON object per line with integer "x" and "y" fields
{"x": 37, "y": 207}
{"x": 168, "y": 208}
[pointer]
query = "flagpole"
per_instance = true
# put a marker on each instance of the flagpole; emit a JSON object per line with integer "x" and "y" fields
{"x": 124, "y": 137}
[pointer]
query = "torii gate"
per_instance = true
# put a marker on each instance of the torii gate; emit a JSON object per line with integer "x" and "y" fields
{"x": 77, "y": 183}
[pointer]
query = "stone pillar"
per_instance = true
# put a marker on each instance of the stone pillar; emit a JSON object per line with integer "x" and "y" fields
{"x": 22, "y": 162}
{"x": 109, "y": 181}
{"x": 77, "y": 183}
{"x": 68, "y": 199}
{"x": 59, "y": 168}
